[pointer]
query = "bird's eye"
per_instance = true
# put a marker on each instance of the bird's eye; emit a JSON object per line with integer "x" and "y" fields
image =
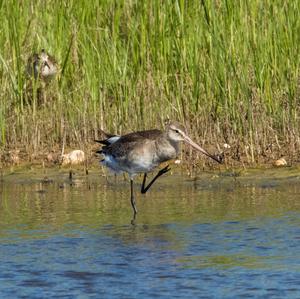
{"x": 176, "y": 131}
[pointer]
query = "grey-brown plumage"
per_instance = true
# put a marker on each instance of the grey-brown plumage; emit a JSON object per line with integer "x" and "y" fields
{"x": 143, "y": 151}
{"x": 41, "y": 65}
{"x": 41, "y": 68}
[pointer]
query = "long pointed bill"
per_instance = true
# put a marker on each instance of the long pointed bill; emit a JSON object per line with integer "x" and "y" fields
{"x": 200, "y": 149}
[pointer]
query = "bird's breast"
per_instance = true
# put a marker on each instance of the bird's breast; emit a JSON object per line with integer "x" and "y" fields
{"x": 142, "y": 159}
{"x": 166, "y": 151}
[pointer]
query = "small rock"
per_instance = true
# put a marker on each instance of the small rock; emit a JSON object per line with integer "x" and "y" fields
{"x": 73, "y": 158}
{"x": 280, "y": 162}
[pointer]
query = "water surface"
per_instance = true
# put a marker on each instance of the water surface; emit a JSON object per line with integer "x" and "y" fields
{"x": 213, "y": 236}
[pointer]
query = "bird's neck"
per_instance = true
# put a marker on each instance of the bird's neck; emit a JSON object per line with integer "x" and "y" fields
{"x": 167, "y": 148}
{"x": 175, "y": 145}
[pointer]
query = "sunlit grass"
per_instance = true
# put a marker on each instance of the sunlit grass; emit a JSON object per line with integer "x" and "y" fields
{"x": 228, "y": 69}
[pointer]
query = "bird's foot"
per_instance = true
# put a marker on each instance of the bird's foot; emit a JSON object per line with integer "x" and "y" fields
{"x": 164, "y": 170}
{"x": 133, "y": 220}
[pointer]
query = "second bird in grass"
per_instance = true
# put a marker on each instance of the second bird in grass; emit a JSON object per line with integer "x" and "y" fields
{"x": 143, "y": 151}
{"x": 41, "y": 68}
{"x": 42, "y": 65}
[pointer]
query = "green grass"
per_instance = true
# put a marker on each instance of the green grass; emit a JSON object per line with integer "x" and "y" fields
{"x": 228, "y": 69}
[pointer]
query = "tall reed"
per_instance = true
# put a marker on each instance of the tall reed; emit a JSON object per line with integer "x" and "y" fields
{"x": 228, "y": 69}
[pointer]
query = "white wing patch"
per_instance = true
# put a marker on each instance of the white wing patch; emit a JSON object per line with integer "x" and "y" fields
{"x": 113, "y": 139}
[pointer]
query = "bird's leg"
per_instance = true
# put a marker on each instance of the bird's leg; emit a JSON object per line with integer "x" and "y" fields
{"x": 132, "y": 202}
{"x": 160, "y": 173}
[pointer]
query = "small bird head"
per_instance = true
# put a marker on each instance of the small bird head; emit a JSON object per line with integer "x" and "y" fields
{"x": 44, "y": 58}
{"x": 177, "y": 132}
{"x": 48, "y": 66}
{"x": 44, "y": 55}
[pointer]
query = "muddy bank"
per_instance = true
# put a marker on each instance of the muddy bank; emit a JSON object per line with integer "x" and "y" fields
{"x": 190, "y": 160}
{"x": 264, "y": 177}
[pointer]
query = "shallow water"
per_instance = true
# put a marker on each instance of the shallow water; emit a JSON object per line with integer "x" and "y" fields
{"x": 215, "y": 236}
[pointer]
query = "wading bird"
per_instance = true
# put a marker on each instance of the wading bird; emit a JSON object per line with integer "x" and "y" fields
{"x": 42, "y": 65}
{"x": 41, "y": 68}
{"x": 143, "y": 151}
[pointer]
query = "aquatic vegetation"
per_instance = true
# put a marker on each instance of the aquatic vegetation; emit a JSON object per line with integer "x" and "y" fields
{"x": 229, "y": 70}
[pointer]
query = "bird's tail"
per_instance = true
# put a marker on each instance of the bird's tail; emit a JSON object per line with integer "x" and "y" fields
{"x": 109, "y": 138}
